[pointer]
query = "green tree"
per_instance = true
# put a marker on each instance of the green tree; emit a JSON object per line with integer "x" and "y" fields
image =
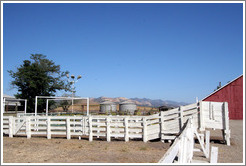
{"x": 65, "y": 104}
{"x": 38, "y": 77}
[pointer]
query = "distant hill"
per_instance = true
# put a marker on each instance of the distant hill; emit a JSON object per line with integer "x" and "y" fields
{"x": 140, "y": 101}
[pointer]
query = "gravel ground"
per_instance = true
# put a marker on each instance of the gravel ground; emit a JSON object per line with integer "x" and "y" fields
{"x": 61, "y": 150}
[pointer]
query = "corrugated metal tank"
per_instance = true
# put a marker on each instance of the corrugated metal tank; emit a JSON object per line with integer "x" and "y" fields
{"x": 107, "y": 106}
{"x": 128, "y": 106}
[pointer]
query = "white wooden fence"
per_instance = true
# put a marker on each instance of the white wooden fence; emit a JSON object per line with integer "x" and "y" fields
{"x": 182, "y": 149}
{"x": 206, "y": 115}
{"x": 127, "y": 127}
{"x": 167, "y": 125}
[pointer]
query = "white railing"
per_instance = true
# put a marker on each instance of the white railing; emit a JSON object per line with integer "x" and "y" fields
{"x": 167, "y": 125}
{"x": 127, "y": 127}
{"x": 206, "y": 115}
{"x": 182, "y": 149}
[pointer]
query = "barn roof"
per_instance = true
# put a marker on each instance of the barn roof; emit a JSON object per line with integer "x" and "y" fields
{"x": 222, "y": 87}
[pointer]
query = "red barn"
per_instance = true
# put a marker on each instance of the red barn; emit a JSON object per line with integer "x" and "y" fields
{"x": 231, "y": 93}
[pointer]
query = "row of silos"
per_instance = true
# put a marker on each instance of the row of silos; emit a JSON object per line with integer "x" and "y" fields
{"x": 126, "y": 106}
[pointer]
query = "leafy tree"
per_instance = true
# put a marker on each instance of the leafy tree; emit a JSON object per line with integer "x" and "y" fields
{"x": 38, "y": 77}
{"x": 65, "y": 104}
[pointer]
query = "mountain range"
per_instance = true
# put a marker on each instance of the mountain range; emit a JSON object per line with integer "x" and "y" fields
{"x": 139, "y": 101}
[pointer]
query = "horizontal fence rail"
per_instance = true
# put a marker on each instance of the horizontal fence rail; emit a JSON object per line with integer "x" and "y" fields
{"x": 127, "y": 127}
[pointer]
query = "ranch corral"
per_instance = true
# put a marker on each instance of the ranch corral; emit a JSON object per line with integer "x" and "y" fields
{"x": 180, "y": 125}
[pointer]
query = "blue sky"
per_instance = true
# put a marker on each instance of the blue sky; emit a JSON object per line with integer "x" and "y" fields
{"x": 159, "y": 51}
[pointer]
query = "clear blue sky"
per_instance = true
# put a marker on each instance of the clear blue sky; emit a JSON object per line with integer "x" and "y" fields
{"x": 159, "y": 51}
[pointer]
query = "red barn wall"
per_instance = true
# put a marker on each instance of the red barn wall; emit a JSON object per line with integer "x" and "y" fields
{"x": 233, "y": 94}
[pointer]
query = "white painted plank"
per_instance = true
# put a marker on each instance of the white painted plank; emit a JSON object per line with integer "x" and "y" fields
{"x": 214, "y": 154}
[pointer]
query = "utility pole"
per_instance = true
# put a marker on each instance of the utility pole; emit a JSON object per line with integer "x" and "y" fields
{"x": 73, "y": 81}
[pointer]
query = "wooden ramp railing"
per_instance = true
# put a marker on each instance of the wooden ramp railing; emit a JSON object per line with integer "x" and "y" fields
{"x": 182, "y": 149}
{"x": 206, "y": 115}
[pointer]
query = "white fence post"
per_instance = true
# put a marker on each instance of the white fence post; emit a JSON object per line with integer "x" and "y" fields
{"x": 145, "y": 139}
{"x": 126, "y": 130}
{"x": 201, "y": 117}
{"x": 108, "y": 129}
{"x": 28, "y": 127}
{"x": 214, "y": 154}
{"x": 226, "y": 127}
{"x": 208, "y": 142}
{"x": 90, "y": 129}
{"x": 68, "y": 128}
{"x": 97, "y": 120}
{"x": 11, "y": 129}
{"x": 181, "y": 117}
{"x": 181, "y": 153}
{"x": 48, "y": 128}
{"x": 162, "y": 126}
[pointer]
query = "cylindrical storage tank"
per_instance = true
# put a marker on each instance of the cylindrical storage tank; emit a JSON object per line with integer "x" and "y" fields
{"x": 128, "y": 106}
{"x": 107, "y": 107}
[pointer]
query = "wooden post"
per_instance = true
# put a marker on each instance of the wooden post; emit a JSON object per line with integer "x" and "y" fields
{"x": 145, "y": 139}
{"x": 202, "y": 128}
{"x": 16, "y": 108}
{"x": 208, "y": 142}
{"x": 11, "y": 119}
{"x": 214, "y": 154}
{"x": 108, "y": 129}
{"x": 202, "y": 138}
{"x": 181, "y": 154}
{"x": 226, "y": 127}
{"x": 98, "y": 126}
{"x": 126, "y": 130}
{"x": 90, "y": 129}
{"x": 25, "y": 105}
{"x": 48, "y": 128}
{"x": 181, "y": 117}
{"x": 47, "y": 107}
{"x": 162, "y": 126}
{"x": 87, "y": 108}
{"x": 68, "y": 128}
{"x": 28, "y": 127}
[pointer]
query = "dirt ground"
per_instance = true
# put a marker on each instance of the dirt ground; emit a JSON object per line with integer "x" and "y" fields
{"x": 61, "y": 150}
{"x": 233, "y": 153}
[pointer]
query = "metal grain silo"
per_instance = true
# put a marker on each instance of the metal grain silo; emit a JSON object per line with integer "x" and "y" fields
{"x": 128, "y": 106}
{"x": 107, "y": 107}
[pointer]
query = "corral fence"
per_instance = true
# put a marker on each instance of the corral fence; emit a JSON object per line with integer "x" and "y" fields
{"x": 182, "y": 150}
{"x": 167, "y": 125}
{"x": 206, "y": 115}
{"x": 125, "y": 127}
